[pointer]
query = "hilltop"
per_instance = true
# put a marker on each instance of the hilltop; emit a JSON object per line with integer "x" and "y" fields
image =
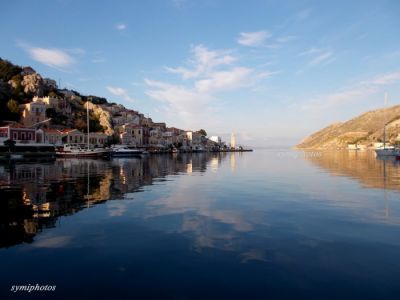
{"x": 365, "y": 129}
{"x": 19, "y": 85}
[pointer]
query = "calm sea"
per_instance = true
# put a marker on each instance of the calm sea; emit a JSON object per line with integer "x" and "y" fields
{"x": 272, "y": 224}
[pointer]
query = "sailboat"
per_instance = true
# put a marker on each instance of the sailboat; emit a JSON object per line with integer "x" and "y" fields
{"x": 79, "y": 151}
{"x": 387, "y": 150}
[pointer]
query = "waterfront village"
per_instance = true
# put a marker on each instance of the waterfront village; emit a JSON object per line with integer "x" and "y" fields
{"x": 45, "y": 119}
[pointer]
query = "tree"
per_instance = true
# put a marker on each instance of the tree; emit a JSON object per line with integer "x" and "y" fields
{"x": 8, "y": 70}
{"x": 11, "y": 113}
{"x": 80, "y": 125}
{"x": 13, "y": 106}
{"x": 52, "y": 94}
{"x": 202, "y": 132}
{"x": 113, "y": 140}
{"x": 51, "y": 113}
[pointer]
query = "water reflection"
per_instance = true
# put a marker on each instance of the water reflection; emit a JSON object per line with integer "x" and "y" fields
{"x": 38, "y": 193}
{"x": 221, "y": 226}
{"x": 370, "y": 171}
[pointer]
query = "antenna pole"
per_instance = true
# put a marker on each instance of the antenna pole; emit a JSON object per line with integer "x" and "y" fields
{"x": 384, "y": 127}
{"x": 87, "y": 122}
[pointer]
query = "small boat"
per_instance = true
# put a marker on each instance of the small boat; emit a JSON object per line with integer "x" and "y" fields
{"x": 386, "y": 150}
{"x": 76, "y": 151}
{"x": 389, "y": 151}
{"x": 124, "y": 151}
{"x": 79, "y": 151}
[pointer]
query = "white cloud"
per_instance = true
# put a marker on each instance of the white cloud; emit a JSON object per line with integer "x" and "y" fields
{"x": 210, "y": 72}
{"x": 224, "y": 80}
{"x": 304, "y": 14}
{"x": 353, "y": 93}
{"x": 322, "y": 58}
{"x": 120, "y": 27}
{"x": 320, "y": 55}
{"x": 285, "y": 39}
{"x": 98, "y": 60}
{"x": 120, "y": 92}
{"x": 51, "y": 57}
{"x": 255, "y": 38}
{"x": 184, "y": 102}
{"x": 179, "y": 3}
{"x": 203, "y": 62}
{"x": 309, "y": 51}
{"x": 385, "y": 79}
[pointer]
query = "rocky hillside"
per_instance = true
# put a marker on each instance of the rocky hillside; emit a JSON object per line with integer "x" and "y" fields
{"x": 365, "y": 129}
{"x": 18, "y": 86}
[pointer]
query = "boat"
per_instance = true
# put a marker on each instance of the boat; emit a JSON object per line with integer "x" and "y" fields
{"x": 77, "y": 151}
{"x": 124, "y": 151}
{"x": 80, "y": 151}
{"x": 387, "y": 150}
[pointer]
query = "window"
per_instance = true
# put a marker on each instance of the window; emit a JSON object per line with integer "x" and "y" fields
{"x": 15, "y": 136}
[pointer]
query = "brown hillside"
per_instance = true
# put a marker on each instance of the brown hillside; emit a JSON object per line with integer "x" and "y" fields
{"x": 365, "y": 129}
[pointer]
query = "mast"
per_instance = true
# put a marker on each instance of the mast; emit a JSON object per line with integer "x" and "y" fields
{"x": 384, "y": 126}
{"x": 87, "y": 123}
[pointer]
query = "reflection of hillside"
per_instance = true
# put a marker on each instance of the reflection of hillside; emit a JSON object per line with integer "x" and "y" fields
{"x": 38, "y": 194}
{"x": 363, "y": 166}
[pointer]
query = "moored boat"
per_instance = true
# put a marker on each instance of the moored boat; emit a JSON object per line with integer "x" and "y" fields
{"x": 124, "y": 151}
{"x": 76, "y": 151}
{"x": 387, "y": 152}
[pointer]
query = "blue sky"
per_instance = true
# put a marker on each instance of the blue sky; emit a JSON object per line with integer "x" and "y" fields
{"x": 271, "y": 71}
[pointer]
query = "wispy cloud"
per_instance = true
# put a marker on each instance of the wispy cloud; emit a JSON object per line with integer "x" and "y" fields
{"x": 186, "y": 103}
{"x": 285, "y": 39}
{"x": 98, "y": 60}
{"x": 120, "y": 26}
{"x": 203, "y": 62}
{"x": 251, "y": 39}
{"x": 350, "y": 94}
{"x": 52, "y": 57}
{"x": 224, "y": 80}
{"x": 57, "y": 58}
{"x": 318, "y": 56}
{"x": 384, "y": 79}
{"x": 120, "y": 92}
{"x": 304, "y": 14}
{"x": 322, "y": 58}
{"x": 210, "y": 72}
{"x": 179, "y": 3}
{"x": 309, "y": 51}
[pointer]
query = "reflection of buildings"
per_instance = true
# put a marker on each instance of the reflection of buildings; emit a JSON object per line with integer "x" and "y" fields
{"x": 39, "y": 193}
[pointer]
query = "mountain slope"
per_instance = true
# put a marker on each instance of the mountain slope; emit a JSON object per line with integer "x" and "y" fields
{"x": 365, "y": 129}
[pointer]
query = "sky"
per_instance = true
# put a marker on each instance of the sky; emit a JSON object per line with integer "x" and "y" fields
{"x": 272, "y": 72}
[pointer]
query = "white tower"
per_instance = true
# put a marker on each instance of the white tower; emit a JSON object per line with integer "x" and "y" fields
{"x": 233, "y": 140}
